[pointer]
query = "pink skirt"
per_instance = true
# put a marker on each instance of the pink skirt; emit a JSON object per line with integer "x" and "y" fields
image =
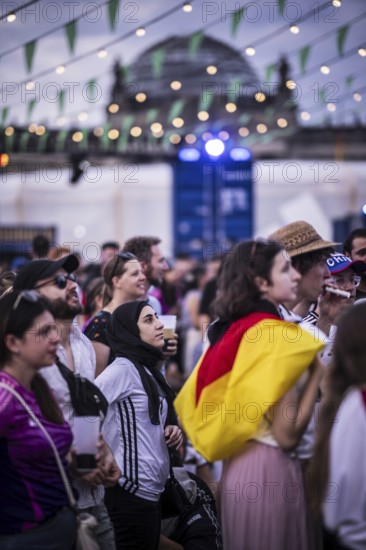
{"x": 262, "y": 501}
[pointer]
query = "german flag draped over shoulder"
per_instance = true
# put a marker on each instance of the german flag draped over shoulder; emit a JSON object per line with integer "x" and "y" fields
{"x": 257, "y": 360}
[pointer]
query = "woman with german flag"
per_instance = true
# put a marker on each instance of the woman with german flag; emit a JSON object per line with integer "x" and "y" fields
{"x": 250, "y": 398}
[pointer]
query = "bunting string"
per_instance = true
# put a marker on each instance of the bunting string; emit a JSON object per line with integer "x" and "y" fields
{"x": 157, "y": 58}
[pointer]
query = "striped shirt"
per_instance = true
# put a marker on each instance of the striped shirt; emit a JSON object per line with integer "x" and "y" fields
{"x": 138, "y": 445}
{"x": 311, "y": 318}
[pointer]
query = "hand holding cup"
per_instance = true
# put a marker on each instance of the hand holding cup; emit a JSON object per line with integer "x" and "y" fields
{"x": 86, "y": 436}
{"x": 169, "y": 322}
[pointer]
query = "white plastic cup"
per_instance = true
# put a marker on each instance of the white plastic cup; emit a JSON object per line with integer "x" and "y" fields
{"x": 169, "y": 322}
{"x": 86, "y": 431}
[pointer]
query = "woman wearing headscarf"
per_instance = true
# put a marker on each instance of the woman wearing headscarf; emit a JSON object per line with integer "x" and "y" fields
{"x": 140, "y": 424}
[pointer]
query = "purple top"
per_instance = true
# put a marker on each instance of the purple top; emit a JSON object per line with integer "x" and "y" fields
{"x": 31, "y": 486}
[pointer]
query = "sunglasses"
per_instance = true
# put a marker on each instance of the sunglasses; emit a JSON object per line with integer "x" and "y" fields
{"x": 30, "y": 296}
{"x": 60, "y": 281}
{"x": 354, "y": 280}
{"x": 124, "y": 256}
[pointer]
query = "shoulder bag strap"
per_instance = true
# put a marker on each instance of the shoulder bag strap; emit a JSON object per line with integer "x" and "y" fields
{"x": 174, "y": 480}
{"x": 49, "y": 439}
{"x": 64, "y": 370}
{"x": 82, "y": 388}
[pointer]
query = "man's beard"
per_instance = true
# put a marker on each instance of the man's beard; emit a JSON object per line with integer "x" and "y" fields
{"x": 152, "y": 280}
{"x": 61, "y": 309}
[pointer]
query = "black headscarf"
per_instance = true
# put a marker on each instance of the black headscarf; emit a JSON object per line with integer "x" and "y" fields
{"x": 123, "y": 336}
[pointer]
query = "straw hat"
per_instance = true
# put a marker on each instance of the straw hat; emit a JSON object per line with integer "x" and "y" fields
{"x": 299, "y": 238}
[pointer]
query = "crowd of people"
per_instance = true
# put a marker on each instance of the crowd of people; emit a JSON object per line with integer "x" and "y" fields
{"x": 256, "y": 408}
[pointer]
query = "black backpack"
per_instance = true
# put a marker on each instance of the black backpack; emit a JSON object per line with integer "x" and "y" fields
{"x": 86, "y": 397}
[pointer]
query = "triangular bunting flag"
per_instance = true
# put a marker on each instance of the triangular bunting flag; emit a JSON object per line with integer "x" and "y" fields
{"x": 195, "y": 43}
{"x": 304, "y": 56}
{"x": 281, "y": 6}
{"x": 268, "y": 114}
{"x": 206, "y": 100}
{"x": 4, "y": 115}
{"x": 104, "y": 137}
{"x": 70, "y": 30}
{"x": 269, "y": 71}
{"x": 151, "y": 116}
{"x": 244, "y": 118}
{"x": 24, "y": 138}
{"x": 233, "y": 90}
{"x": 30, "y": 48}
{"x": 349, "y": 81}
{"x": 92, "y": 91}
{"x": 42, "y": 142}
{"x": 236, "y": 19}
{"x": 60, "y": 140}
{"x": 61, "y": 100}
{"x": 113, "y": 6}
{"x": 124, "y": 71}
{"x": 176, "y": 109}
{"x": 127, "y": 122}
{"x": 341, "y": 38}
{"x": 322, "y": 94}
{"x": 157, "y": 59}
{"x": 9, "y": 142}
{"x": 30, "y": 108}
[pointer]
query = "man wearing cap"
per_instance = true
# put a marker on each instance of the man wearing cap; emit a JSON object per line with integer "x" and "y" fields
{"x": 354, "y": 247}
{"x": 55, "y": 281}
{"x": 351, "y": 271}
{"x": 308, "y": 252}
{"x": 345, "y": 277}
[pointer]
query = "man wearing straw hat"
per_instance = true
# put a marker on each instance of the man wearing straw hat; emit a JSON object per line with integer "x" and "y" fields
{"x": 309, "y": 253}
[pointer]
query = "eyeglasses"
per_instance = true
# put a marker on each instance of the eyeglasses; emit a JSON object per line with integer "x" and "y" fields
{"x": 29, "y": 295}
{"x": 124, "y": 256}
{"x": 344, "y": 281}
{"x": 60, "y": 281}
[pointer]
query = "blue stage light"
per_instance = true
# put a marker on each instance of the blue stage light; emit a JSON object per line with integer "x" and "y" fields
{"x": 189, "y": 154}
{"x": 364, "y": 209}
{"x": 214, "y": 147}
{"x": 240, "y": 153}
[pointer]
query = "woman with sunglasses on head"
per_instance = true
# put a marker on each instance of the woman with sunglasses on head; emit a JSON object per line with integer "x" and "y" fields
{"x": 246, "y": 403}
{"x": 140, "y": 425}
{"x": 34, "y": 506}
{"x": 124, "y": 282}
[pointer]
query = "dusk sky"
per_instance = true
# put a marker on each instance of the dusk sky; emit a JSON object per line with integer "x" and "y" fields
{"x": 333, "y": 36}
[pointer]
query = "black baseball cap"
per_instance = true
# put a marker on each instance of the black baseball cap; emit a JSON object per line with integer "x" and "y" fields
{"x": 36, "y": 270}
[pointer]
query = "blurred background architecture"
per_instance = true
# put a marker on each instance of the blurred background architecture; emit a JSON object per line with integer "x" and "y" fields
{"x": 194, "y": 138}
